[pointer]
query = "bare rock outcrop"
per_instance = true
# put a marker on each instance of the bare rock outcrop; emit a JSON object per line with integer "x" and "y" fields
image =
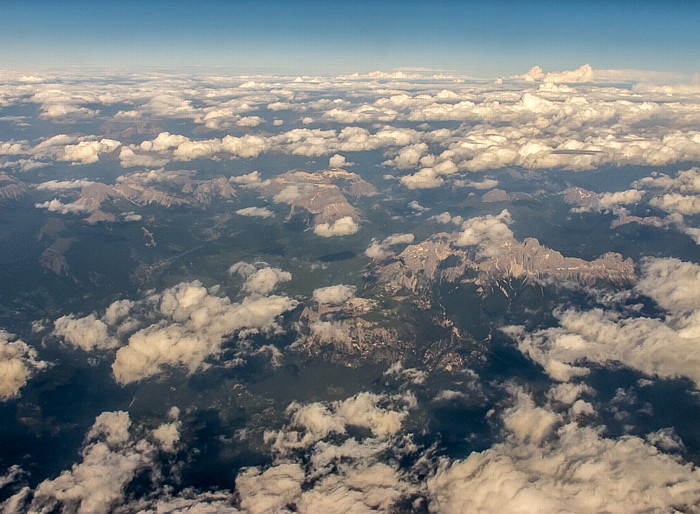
{"x": 322, "y": 194}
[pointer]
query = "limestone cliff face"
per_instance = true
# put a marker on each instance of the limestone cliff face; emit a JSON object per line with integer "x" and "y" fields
{"x": 499, "y": 195}
{"x": 581, "y": 198}
{"x": 141, "y": 195}
{"x": 183, "y": 190}
{"x": 532, "y": 261}
{"x": 440, "y": 259}
{"x": 52, "y": 260}
{"x": 420, "y": 265}
{"x": 340, "y": 331}
{"x": 323, "y": 193}
{"x": 205, "y": 192}
{"x": 346, "y": 335}
{"x": 11, "y": 189}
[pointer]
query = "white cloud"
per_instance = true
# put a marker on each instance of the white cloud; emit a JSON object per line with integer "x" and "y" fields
{"x": 533, "y": 74}
{"x": 338, "y": 161}
{"x": 667, "y": 347}
{"x": 487, "y": 183}
{"x": 409, "y": 156}
{"x": 411, "y": 375}
{"x": 686, "y": 181}
{"x": 672, "y": 283}
{"x": 678, "y": 203}
{"x": 264, "y": 281}
{"x": 193, "y": 326}
{"x": 88, "y": 333}
{"x": 413, "y": 204}
{"x": 249, "y": 121}
{"x": 549, "y": 463}
{"x": 316, "y": 420}
{"x": 315, "y": 475}
{"x": 87, "y": 152}
{"x": 488, "y": 232}
{"x": 167, "y": 436}
{"x": 260, "y": 212}
{"x": 646, "y": 344}
{"x": 62, "y": 185}
{"x": 427, "y": 178}
{"x": 18, "y": 363}
{"x": 249, "y": 178}
{"x": 244, "y": 269}
{"x": 344, "y": 226}
{"x": 270, "y": 490}
{"x": 376, "y": 251}
{"x": 553, "y": 126}
{"x": 113, "y": 455}
{"x": 398, "y": 239}
{"x": 583, "y": 74}
{"x": 610, "y": 200}
{"x": 56, "y": 205}
{"x": 287, "y": 195}
{"x": 336, "y": 332}
{"x": 380, "y": 250}
{"x": 117, "y": 311}
{"x": 334, "y": 295}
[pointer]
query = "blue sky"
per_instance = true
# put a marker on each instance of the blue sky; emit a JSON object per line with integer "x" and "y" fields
{"x": 478, "y": 38}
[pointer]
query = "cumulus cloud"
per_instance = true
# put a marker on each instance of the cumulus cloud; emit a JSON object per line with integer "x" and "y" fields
{"x": 446, "y": 218}
{"x": 487, "y": 183}
{"x": 398, "y": 239}
{"x": 610, "y": 200}
{"x": 686, "y": 181}
{"x": 113, "y": 454}
{"x": 242, "y": 268}
{"x": 88, "y": 333}
{"x": 344, "y": 226}
{"x": 411, "y": 375}
{"x": 336, "y": 332}
{"x": 259, "y": 212}
{"x": 672, "y": 283}
{"x": 264, "y": 281}
{"x": 665, "y": 347}
{"x": 488, "y": 232}
{"x": 314, "y": 473}
{"x": 583, "y": 74}
{"x": 646, "y": 344}
{"x": 87, "y": 152}
{"x": 62, "y": 185}
{"x": 380, "y": 249}
{"x": 334, "y": 295}
{"x": 338, "y": 161}
{"x": 18, "y": 363}
{"x": 551, "y": 126}
{"x": 550, "y": 463}
{"x": 678, "y": 196}
{"x": 409, "y": 156}
{"x": 361, "y": 410}
{"x": 177, "y": 147}
{"x": 249, "y": 178}
{"x": 249, "y": 121}
{"x": 427, "y": 178}
{"x": 413, "y": 204}
{"x": 287, "y": 195}
{"x": 193, "y": 326}
{"x": 677, "y": 203}
{"x": 270, "y": 490}
{"x": 56, "y": 205}
{"x": 533, "y": 74}
{"x": 117, "y": 311}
